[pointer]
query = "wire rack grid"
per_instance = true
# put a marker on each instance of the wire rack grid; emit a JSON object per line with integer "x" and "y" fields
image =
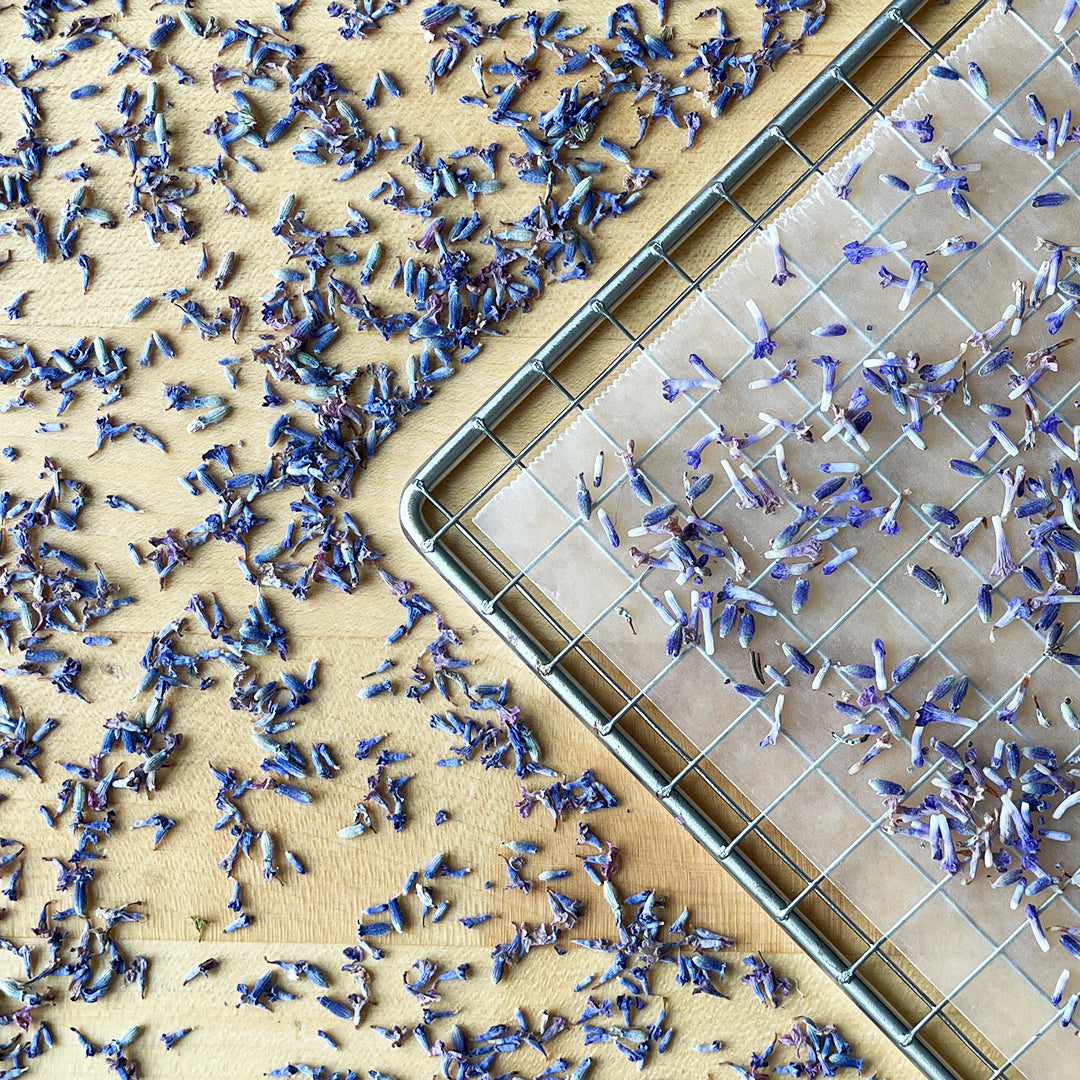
{"x": 440, "y": 504}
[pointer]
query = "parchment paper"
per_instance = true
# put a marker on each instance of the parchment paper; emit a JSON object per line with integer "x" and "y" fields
{"x": 948, "y": 929}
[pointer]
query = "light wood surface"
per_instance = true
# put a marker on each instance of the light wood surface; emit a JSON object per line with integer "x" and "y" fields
{"x": 314, "y": 917}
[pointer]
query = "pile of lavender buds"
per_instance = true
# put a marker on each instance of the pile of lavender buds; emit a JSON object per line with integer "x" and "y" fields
{"x": 420, "y": 258}
{"x": 1000, "y": 814}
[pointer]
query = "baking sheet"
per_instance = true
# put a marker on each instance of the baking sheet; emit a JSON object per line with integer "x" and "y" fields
{"x": 954, "y": 932}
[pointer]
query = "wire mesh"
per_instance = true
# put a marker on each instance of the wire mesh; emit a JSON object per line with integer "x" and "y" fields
{"x": 559, "y": 385}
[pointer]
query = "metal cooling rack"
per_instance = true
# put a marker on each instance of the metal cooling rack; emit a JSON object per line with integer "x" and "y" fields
{"x": 439, "y": 504}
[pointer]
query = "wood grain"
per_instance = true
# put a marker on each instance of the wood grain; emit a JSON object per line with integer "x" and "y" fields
{"x": 314, "y": 917}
